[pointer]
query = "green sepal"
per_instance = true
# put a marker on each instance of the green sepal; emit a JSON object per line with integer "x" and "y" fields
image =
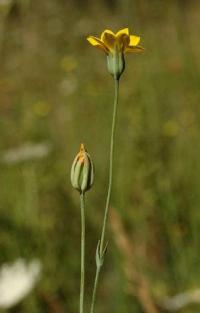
{"x": 100, "y": 256}
{"x": 116, "y": 64}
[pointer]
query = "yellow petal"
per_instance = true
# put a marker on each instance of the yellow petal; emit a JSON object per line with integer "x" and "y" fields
{"x": 124, "y": 31}
{"x": 134, "y": 49}
{"x": 123, "y": 38}
{"x": 108, "y": 38}
{"x": 96, "y": 42}
{"x": 134, "y": 40}
{"x": 107, "y": 31}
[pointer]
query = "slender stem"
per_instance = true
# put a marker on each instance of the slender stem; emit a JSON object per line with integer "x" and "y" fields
{"x": 110, "y": 165}
{"x": 82, "y": 280}
{"x": 98, "y": 268}
{"x": 95, "y": 289}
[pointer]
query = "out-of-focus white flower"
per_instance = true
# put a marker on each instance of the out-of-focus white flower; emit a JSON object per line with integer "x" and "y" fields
{"x": 5, "y": 2}
{"x": 17, "y": 280}
{"x": 27, "y": 152}
{"x": 181, "y": 300}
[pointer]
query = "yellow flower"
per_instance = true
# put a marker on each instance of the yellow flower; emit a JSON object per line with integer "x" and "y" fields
{"x": 121, "y": 42}
{"x": 115, "y": 45}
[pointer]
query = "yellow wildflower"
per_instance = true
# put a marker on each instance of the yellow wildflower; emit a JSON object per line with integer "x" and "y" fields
{"x": 115, "y": 45}
{"x": 121, "y": 41}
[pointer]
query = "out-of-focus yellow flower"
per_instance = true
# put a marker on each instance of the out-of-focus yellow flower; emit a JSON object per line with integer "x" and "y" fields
{"x": 68, "y": 63}
{"x": 115, "y": 45}
{"x": 121, "y": 41}
{"x": 171, "y": 128}
{"x": 41, "y": 108}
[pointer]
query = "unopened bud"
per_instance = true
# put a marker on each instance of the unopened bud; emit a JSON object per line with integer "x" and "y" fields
{"x": 82, "y": 171}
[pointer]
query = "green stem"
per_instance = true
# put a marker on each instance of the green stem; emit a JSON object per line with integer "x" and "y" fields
{"x": 98, "y": 269}
{"x": 110, "y": 165}
{"x": 95, "y": 289}
{"x": 82, "y": 280}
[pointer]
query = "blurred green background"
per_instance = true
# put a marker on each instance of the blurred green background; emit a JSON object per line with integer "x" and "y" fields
{"x": 55, "y": 92}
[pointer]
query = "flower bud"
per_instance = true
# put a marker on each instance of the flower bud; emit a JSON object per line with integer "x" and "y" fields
{"x": 116, "y": 63}
{"x": 82, "y": 171}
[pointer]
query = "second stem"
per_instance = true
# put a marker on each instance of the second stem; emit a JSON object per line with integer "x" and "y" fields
{"x": 82, "y": 281}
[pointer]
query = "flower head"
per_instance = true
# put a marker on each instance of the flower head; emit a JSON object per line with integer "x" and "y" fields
{"x": 115, "y": 45}
{"x": 122, "y": 41}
